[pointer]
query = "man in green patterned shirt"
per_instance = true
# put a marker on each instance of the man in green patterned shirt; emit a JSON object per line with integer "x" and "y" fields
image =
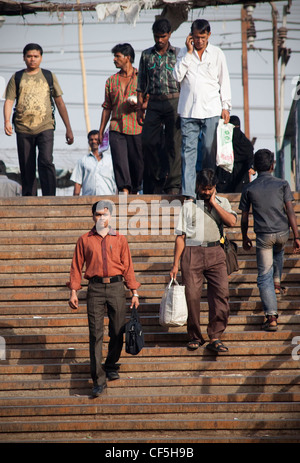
{"x": 120, "y": 106}
{"x": 155, "y": 80}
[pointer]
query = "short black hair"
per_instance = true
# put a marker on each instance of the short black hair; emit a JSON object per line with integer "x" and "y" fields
{"x": 102, "y": 204}
{"x": 92, "y": 132}
{"x": 206, "y": 177}
{"x": 161, "y": 26}
{"x": 126, "y": 49}
{"x": 32, "y": 46}
{"x": 201, "y": 25}
{"x": 263, "y": 160}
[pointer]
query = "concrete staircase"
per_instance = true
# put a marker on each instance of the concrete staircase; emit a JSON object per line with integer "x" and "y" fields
{"x": 166, "y": 394}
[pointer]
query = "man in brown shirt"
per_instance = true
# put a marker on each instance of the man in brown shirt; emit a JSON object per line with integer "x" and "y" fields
{"x": 107, "y": 259}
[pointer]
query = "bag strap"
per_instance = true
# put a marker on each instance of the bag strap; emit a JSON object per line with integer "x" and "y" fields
{"x": 49, "y": 78}
{"x": 134, "y": 314}
{"x": 173, "y": 280}
{"x": 220, "y": 225}
{"x": 47, "y": 74}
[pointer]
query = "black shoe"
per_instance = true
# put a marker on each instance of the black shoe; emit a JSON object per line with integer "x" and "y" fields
{"x": 112, "y": 375}
{"x": 97, "y": 390}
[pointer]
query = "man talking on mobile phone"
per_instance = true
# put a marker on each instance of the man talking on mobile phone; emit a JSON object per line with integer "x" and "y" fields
{"x": 205, "y": 96}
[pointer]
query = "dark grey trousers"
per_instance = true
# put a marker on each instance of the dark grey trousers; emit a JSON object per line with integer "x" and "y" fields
{"x": 102, "y": 297}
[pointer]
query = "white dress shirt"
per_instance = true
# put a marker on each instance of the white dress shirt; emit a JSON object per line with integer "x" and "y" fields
{"x": 205, "y": 85}
{"x": 95, "y": 177}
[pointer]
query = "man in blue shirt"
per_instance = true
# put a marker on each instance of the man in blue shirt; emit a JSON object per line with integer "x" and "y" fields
{"x": 94, "y": 173}
{"x": 273, "y": 213}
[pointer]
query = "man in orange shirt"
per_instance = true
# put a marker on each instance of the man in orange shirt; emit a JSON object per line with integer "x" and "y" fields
{"x": 108, "y": 260}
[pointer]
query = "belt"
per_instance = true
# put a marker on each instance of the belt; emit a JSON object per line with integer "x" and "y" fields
{"x": 166, "y": 96}
{"x": 106, "y": 279}
{"x": 211, "y": 244}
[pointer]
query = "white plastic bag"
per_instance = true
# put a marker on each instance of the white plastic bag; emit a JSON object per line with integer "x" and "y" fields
{"x": 225, "y": 157}
{"x": 173, "y": 307}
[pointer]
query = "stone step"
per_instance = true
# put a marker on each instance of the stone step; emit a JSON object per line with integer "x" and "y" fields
{"x": 167, "y": 393}
{"x": 60, "y": 308}
{"x": 163, "y": 384}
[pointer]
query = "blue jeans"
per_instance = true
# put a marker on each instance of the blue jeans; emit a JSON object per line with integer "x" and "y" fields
{"x": 269, "y": 256}
{"x": 191, "y": 131}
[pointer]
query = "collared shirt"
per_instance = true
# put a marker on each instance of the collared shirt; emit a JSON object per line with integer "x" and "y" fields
{"x": 104, "y": 257}
{"x": 95, "y": 177}
{"x": 205, "y": 85}
{"x": 200, "y": 225}
{"x": 156, "y": 72}
{"x": 267, "y": 195}
{"x": 9, "y": 187}
{"x": 123, "y": 116}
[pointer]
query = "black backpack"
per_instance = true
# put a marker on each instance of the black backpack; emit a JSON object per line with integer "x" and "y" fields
{"x": 49, "y": 78}
{"x": 134, "y": 336}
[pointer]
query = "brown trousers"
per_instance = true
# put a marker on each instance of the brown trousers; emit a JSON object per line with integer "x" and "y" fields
{"x": 196, "y": 263}
{"x": 100, "y": 297}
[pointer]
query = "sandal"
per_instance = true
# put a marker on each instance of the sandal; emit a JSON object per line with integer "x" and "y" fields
{"x": 280, "y": 289}
{"x": 194, "y": 344}
{"x": 217, "y": 346}
{"x": 267, "y": 324}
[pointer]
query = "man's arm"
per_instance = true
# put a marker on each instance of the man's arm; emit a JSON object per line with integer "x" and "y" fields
{"x": 227, "y": 217}
{"x": 65, "y": 118}
{"x": 140, "y": 108}
{"x": 129, "y": 275}
{"x": 77, "y": 189}
{"x": 179, "y": 247}
{"x": 75, "y": 274}
{"x": 293, "y": 223}
{"x": 247, "y": 243}
{"x": 104, "y": 120}
{"x": 7, "y": 110}
{"x": 141, "y": 89}
{"x": 183, "y": 62}
{"x": 225, "y": 90}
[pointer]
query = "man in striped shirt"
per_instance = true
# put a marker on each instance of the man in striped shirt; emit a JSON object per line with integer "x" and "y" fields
{"x": 120, "y": 106}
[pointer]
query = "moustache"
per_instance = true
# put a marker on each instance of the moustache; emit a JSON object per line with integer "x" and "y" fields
{"x": 203, "y": 196}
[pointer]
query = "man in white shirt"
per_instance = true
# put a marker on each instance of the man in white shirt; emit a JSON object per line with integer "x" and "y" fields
{"x": 8, "y": 187}
{"x": 205, "y": 96}
{"x": 94, "y": 173}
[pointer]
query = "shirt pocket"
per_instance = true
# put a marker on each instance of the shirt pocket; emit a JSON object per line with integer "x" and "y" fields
{"x": 211, "y": 70}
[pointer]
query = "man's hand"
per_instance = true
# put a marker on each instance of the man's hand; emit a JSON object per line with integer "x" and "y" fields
{"x": 8, "y": 128}
{"x": 73, "y": 301}
{"x": 135, "y": 302}
{"x": 247, "y": 244}
{"x": 140, "y": 115}
{"x": 69, "y": 137}
{"x": 225, "y": 115}
{"x": 174, "y": 271}
{"x": 189, "y": 43}
{"x": 212, "y": 199}
{"x": 296, "y": 246}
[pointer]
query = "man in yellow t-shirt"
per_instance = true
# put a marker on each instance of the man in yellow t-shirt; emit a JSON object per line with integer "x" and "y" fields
{"x": 34, "y": 121}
